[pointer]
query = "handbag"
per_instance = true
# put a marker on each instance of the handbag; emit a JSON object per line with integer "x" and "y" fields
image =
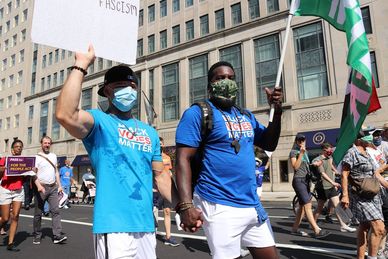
{"x": 365, "y": 187}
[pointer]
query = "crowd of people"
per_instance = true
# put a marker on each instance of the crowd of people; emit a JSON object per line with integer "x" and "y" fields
{"x": 221, "y": 195}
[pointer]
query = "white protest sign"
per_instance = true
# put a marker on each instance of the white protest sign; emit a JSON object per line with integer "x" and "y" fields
{"x": 110, "y": 25}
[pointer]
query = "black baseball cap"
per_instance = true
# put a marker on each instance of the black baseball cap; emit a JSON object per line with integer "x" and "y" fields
{"x": 300, "y": 136}
{"x": 117, "y": 74}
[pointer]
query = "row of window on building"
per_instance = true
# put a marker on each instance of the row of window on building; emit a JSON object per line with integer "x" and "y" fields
{"x": 7, "y": 103}
{"x": 10, "y": 43}
{"x": 8, "y": 7}
{"x": 7, "y": 122}
{"x": 10, "y": 81}
{"x": 6, "y": 26}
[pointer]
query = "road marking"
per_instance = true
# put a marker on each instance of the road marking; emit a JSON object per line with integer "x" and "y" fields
{"x": 288, "y": 246}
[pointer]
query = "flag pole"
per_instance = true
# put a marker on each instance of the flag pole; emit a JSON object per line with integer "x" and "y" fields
{"x": 281, "y": 61}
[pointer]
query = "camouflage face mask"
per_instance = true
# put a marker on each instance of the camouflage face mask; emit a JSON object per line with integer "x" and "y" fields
{"x": 224, "y": 88}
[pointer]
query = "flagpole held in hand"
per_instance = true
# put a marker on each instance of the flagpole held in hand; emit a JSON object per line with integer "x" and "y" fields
{"x": 279, "y": 73}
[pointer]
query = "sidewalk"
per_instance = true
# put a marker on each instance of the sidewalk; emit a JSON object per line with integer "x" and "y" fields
{"x": 277, "y": 196}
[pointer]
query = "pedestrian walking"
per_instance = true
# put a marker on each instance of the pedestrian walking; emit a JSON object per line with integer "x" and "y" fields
{"x": 66, "y": 176}
{"x": 48, "y": 176}
{"x": 225, "y": 198}
{"x": 125, "y": 154}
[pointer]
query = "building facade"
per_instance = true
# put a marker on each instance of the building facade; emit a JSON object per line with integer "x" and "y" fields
{"x": 178, "y": 41}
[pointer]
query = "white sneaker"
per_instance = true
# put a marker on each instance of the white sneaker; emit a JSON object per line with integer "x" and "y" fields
{"x": 244, "y": 252}
{"x": 65, "y": 207}
{"x": 346, "y": 228}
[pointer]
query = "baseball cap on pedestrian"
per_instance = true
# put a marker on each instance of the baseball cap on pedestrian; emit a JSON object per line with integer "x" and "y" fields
{"x": 117, "y": 74}
{"x": 300, "y": 136}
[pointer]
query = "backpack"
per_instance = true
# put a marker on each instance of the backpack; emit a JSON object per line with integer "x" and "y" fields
{"x": 206, "y": 127}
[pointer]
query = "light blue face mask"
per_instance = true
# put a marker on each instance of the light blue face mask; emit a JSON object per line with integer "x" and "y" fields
{"x": 124, "y": 98}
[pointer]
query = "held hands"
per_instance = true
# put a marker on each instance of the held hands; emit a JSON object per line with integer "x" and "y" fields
{"x": 83, "y": 60}
{"x": 191, "y": 219}
{"x": 275, "y": 97}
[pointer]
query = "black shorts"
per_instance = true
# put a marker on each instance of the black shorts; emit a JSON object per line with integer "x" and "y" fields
{"x": 326, "y": 194}
{"x": 302, "y": 190}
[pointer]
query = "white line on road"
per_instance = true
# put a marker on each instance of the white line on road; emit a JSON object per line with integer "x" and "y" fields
{"x": 62, "y": 220}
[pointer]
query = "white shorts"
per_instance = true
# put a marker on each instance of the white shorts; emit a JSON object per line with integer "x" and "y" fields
{"x": 8, "y": 196}
{"x": 228, "y": 228}
{"x": 125, "y": 245}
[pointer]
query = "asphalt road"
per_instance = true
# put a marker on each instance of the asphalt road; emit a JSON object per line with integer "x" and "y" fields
{"x": 76, "y": 223}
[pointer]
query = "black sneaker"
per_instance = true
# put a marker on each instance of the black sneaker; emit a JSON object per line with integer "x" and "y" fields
{"x": 60, "y": 239}
{"x": 328, "y": 219}
{"x": 36, "y": 241}
{"x": 11, "y": 247}
{"x": 322, "y": 234}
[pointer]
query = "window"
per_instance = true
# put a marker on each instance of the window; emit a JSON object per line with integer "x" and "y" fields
{"x": 25, "y": 14}
{"x": 140, "y": 48}
{"x": 21, "y": 56}
{"x": 31, "y": 112}
{"x": 310, "y": 62}
{"x": 4, "y": 64}
{"x": 56, "y": 56}
{"x": 151, "y": 13}
{"x": 176, "y": 34}
{"x": 23, "y": 35}
{"x": 1, "y": 124}
{"x": 2, "y": 85}
{"x": 55, "y": 127}
{"x": 48, "y": 81}
{"x": 163, "y": 8}
{"x": 42, "y": 83}
{"x": 9, "y": 101}
{"x": 43, "y": 122}
{"x": 189, "y": 3}
{"x": 170, "y": 92}
{"x": 50, "y": 58}
{"x": 19, "y": 79}
{"x": 198, "y": 67}
{"x": 55, "y": 79}
{"x": 18, "y": 98}
{"x": 6, "y": 45}
{"x": 236, "y": 14}
{"x": 86, "y": 103}
{"x": 190, "y": 30}
{"x": 1, "y": 104}
{"x": 176, "y": 5}
{"x": 254, "y": 9}
{"x": 100, "y": 64}
{"x": 267, "y": 56}
{"x": 44, "y": 61}
{"x": 16, "y": 121}
{"x": 61, "y": 77}
{"x": 283, "y": 168}
{"x": 272, "y": 6}
{"x": 204, "y": 24}
{"x": 366, "y": 20}
{"x": 233, "y": 56}
{"x": 63, "y": 54}
{"x": 33, "y": 83}
{"x": 14, "y": 40}
{"x": 220, "y": 19}
{"x": 151, "y": 43}
{"x": 17, "y": 3}
{"x": 16, "y": 21}
{"x": 151, "y": 86}
{"x": 13, "y": 61}
{"x": 7, "y": 123}
{"x": 163, "y": 39}
{"x": 29, "y": 135}
{"x": 11, "y": 80}
{"x": 374, "y": 68}
{"x": 1, "y": 13}
{"x": 9, "y": 7}
{"x": 141, "y": 17}
{"x": 91, "y": 68}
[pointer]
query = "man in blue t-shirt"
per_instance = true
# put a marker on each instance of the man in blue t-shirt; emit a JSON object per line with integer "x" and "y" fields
{"x": 225, "y": 201}
{"x": 125, "y": 154}
{"x": 66, "y": 176}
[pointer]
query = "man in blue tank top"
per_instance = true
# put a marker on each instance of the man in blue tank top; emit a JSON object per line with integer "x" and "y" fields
{"x": 125, "y": 154}
{"x": 225, "y": 201}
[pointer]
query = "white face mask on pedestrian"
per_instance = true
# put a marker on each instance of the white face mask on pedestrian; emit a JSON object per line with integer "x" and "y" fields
{"x": 124, "y": 98}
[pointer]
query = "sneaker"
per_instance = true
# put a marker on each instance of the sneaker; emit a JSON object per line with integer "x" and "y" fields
{"x": 46, "y": 214}
{"x": 347, "y": 228}
{"x": 66, "y": 207}
{"x": 300, "y": 233}
{"x": 36, "y": 241}
{"x": 171, "y": 242}
{"x": 27, "y": 207}
{"x": 3, "y": 232}
{"x": 11, "y": 247}
{"x": 60, "y": 239}
{"x": 244, "y": 252}
{"x": 322, "y": 234}
{"x": 328, "y": 219}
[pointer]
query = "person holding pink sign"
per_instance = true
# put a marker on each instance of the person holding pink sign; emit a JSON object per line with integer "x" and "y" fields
{"x": 12, "y": 192}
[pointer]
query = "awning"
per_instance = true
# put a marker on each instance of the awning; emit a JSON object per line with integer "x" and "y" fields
{"x": 61, "y": 161}
{"x": 314, "y": 139}
{"x": 81, "y": 160}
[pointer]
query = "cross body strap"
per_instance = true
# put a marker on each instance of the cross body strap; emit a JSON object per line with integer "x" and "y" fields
{"x": 48, "y": 160}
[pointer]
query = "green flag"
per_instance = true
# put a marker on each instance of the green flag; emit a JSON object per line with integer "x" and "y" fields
{"x": 345, "y": 15}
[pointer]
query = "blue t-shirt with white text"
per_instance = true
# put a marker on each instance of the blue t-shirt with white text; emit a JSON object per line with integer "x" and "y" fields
{"x": 121, "y": 152}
